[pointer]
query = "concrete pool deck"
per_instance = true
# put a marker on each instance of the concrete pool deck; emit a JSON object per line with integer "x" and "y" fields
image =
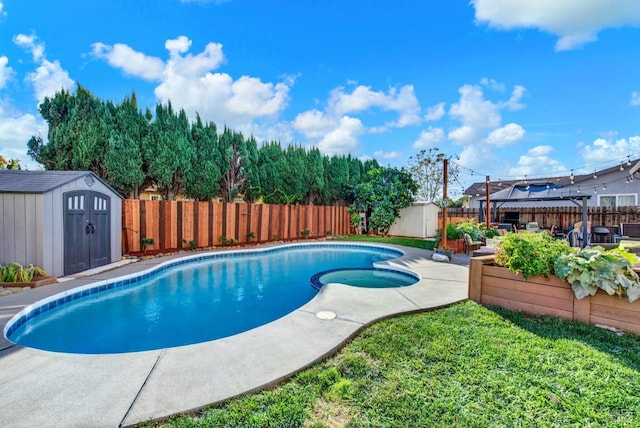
{"x": 41, "y": 388}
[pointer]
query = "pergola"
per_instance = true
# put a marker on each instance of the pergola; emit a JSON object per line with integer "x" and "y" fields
{"x": 535, "y": 193}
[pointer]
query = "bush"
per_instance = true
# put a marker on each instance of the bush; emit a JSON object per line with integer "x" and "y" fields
{"x": 530, "y": 254}
{"x": 453, "y": 232}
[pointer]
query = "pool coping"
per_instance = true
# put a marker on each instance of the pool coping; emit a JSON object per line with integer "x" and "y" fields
{"x": 124, "y": 389}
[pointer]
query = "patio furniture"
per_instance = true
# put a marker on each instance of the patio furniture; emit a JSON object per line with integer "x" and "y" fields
{"x": 601, "y": 234}
{"x": 470, "y": 244}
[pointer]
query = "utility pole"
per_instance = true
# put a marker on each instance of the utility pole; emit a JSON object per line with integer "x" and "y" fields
{"x": 487, "y": 189}
{"x": 445, "y": 179}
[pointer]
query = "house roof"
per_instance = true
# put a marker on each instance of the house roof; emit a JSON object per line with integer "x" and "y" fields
{"x": 536, "y": 192}
{"x": 479, "y": 188}
{"x": 12, "y": 181}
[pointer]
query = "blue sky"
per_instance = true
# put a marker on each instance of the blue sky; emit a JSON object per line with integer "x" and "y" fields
{"x": 512, "y": 87}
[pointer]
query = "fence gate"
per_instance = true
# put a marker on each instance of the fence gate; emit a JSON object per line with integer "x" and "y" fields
{"x": 87, "y": 235}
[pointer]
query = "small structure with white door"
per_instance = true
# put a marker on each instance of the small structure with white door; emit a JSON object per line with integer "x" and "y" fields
{"x": 62, "y": 221}
{"x": 419, "y": 220}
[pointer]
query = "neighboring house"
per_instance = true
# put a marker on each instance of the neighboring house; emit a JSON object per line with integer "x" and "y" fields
{"x": 611, "y": 187}
{"x": 151, "y": 193}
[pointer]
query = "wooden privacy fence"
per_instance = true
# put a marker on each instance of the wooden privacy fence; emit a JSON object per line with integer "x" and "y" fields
{"x": 561, "y": 217}
{"x": 174, "y": 224}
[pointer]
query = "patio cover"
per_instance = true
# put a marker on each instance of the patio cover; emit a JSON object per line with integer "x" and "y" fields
{"x": 537, "y": 193}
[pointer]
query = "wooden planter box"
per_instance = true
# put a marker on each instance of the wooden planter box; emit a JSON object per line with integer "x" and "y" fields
{"x": 33, "y": 284}
{"x": 497, "y": 286}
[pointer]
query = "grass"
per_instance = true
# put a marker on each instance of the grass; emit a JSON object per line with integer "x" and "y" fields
{"x": 465, "y": 365}
{"x": 407, "y": 242}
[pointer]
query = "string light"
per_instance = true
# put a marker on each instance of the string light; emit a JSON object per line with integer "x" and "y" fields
{"x": 595, "y": 175}
{"x": 628, "y": 160}
{"x": 621, "y": 167}
{"x": 604, "y": 186}
{"x": 595, "y": 190}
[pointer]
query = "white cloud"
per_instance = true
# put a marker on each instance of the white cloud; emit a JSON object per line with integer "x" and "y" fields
{"x": 635, "y": 99}
{"x": 314, "y": 124}
{"x": 605, "y": 149}
{"x": 507, "y": 135}
{"x": 435, "y": 112}
{"x": 575, "y": 22}
{"x": 496, "y": 86}
{"x": 537, "y": 162}
{"x": 344, "y": 138}
{"x": 363, "y": 98}
{"x": 429, "y": 138}
{"x": 49, "y": 77}
{"x": 128, "y": 60}
{"x": 2, "y": 11}
{"x": 31, "y": 44}
{"x": 387, "y": 155}
{"x": 16, "y": 129}
{"x": 514, "y": 102}
{"x": 6, "y": 72}
{"x": 188, "y": 82}
{"x": 475, "y": 113}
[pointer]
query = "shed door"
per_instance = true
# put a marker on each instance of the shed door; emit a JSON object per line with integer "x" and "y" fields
{"x": 87, "y": 242}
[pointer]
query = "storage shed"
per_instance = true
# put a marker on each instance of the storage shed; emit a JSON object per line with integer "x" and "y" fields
{"x": 419, "y": 220}
{"x": 62, "y": 221}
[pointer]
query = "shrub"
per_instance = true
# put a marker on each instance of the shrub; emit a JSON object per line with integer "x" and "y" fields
{"x": 305, "y": 233}
{"x": 144, "y": 243}
{"x": 15, "y": 272}
{"x": 250, "y": 236}
{"x": 590, "y": 269}
{"x": 453, "y": 232}
{"x": 470, "y": 227}
{"x": 530, "y": 254}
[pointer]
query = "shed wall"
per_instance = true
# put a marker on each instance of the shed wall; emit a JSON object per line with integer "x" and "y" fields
{"x": 417, "y": 221}
{"x": 20, "y": 222}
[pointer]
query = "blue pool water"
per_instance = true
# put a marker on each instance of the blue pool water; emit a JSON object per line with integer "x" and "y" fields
{"x": 365, "y": 277}
{"x": 185, "y": 302}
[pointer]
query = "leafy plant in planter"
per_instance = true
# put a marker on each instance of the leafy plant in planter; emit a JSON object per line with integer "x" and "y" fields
{"x": 590, "y": 269}
{"x": 15, "y": 272}
{"x": 305, "y": 233}
{"x": 530, "y": 254}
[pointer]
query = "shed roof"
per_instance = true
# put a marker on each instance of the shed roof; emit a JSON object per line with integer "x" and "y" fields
{"x": 12, "y": 181}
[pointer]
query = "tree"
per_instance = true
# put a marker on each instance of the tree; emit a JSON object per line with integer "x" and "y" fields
{"x": 203, "y": 183}
{"x": 123, "y": 156}
{"x": 426, "y": 170}
{"x": 168, "y": 152}
{"x": 383, "y": 193}
{"x": 272, "y": 167}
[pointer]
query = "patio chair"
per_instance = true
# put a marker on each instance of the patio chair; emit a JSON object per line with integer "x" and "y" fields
{"x": 469, "y": 244}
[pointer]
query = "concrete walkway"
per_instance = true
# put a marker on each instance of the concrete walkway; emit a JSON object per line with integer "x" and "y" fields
{"x": 40, "y": 388}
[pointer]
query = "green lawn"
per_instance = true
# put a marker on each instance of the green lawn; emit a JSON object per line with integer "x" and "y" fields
{"x": 464, "y": 366}
{"x": 407, "y": 242}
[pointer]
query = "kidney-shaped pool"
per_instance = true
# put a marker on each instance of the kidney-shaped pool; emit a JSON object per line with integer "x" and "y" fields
{"x": 185, "y": 301}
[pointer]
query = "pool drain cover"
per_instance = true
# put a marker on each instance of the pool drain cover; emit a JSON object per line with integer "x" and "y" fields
{"x": 326, "y": 315}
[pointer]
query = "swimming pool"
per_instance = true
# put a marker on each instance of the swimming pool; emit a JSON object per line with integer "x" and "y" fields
{"x": 185, "y": 301}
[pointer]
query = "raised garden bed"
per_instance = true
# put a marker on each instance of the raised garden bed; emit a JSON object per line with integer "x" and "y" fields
{"x": 33, "y": 284}
{"x": 497, "y": 286}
